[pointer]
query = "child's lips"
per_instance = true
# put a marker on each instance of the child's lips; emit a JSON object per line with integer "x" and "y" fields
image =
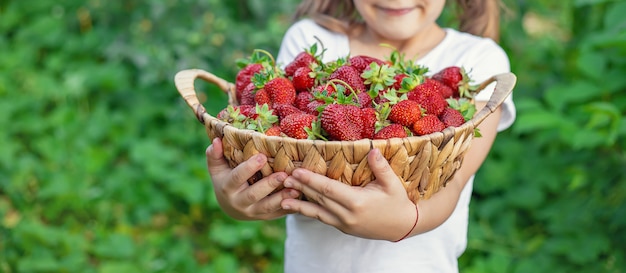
{"x": 396, "y": 11}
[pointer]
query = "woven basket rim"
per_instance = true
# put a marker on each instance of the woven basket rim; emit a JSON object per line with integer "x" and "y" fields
{"x": 184, "y": 81}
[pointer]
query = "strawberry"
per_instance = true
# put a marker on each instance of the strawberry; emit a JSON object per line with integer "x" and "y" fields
{"x": 430, "y": 83}
{"x": 283, "y": 110}
{"x": 362, "y": 62}
{"x": 463, "y": 105}
{"x": 247, "y": 95}
{"x": 302, "y": 100}
{"x": 273, "y": 131}
{"x": 452, "y": 117}
{"x": 313, "y": 107}
{"x": 295, "y": 125}
{"x": 398, "y": 80}
{"x": 261, "y": 97}
{"x": 350, "y": 76}
{"x": 456, "y": 78}
{"x": 428, "y": 124}
{"x": 247, "y": 110}
{"x": 364, "y": 100}
{"x": 243, "y": 78}
{"x": 391, "y": 131}
{"x": 329, "y": 90}
{"x": 303, "y": 59}
{"x": 405, "y": 112}
{"x": 280, "y": 91}
{"x": 342, "y": 122}
{"x": 369, "y": 117}
{"x": 302, "y": 80}
{"x": 428, "y": 97}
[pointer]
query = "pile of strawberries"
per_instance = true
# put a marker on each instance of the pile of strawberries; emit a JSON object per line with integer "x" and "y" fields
{"x": 348, "y": 99}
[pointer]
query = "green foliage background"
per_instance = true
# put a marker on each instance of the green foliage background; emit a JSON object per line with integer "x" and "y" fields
{"x": 102, "y": 164}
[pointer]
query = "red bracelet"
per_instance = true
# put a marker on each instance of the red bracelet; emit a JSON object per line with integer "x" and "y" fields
{"x": 414, "y": 224}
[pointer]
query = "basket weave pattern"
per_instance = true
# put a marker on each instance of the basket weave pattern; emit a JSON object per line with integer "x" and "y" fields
{"x": 424, "y": 164}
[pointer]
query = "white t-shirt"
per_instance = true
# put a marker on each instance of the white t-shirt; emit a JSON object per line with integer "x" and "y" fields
{"x": 312, "y": 246}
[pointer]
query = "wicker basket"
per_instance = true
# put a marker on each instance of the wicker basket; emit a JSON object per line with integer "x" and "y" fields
{"x": 424, "y": 163}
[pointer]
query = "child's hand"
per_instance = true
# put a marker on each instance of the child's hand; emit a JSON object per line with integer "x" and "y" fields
{"x": 239, "y": 199}
{"x": 380, "y": 210}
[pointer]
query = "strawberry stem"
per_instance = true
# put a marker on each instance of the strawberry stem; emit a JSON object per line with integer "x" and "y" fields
{"x": 272, "y": 62}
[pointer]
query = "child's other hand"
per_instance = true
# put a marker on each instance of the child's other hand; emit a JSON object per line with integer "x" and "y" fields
{"x": 239, "y": 199}
{"x": 379, "y": 210}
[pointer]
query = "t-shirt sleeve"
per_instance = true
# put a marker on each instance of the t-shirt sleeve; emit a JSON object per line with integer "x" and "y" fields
{"x": 489, "y": 61}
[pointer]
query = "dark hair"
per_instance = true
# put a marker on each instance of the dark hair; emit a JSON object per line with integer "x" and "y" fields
{"x": 480, "y": 18}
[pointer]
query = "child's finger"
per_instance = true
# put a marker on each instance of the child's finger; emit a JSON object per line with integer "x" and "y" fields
{"x": 215, "y": 157}
{"x": 385, "y": 176}
{"x": 239, "y": 175}
{"x": 311, "y": 210}
{"x": 270, "y": 206}
{"x": 331, "y": 194}
{"x": 261, "y": 189}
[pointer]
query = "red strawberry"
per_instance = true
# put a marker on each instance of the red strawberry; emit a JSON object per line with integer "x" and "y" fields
{"x": 280, "y": 91}
{"x": 364, "y": 100}
{"x": 381, "y": 99}
{"x": 362, "y": 62}
{"x": 405, "y": 112}
{"x": 247, "y": 95}
{"x": 248, "y": 110}
{"x": 294, "y": 125}
{"x": 369, "y": 117}
{"x": 428, "y": 124}
{"x": 313, "y": 106}
{"x": 342, "y": 122}
{"x": 452, "y": 117}
{"x": 244, "y": 76}
{"x": 430, "y": 83}
{"x": 398, "y": 78}
{"x": 329, "y": 89}
{"x": 429, "y": 98}
{"x": 456, "y": 78}
{"x": 302, "y": 100}
{"x": 351, "y": 76}
{"x": 302, "y": 79}
{"x": 273, "y": 131}
{"x": 261, "y": 97}
{"x": 303, "y": 59}
{"x": 283, "y": 110}
{"x": 391, "y": 131}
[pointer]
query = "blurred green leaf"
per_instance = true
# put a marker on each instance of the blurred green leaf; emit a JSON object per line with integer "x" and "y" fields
{"x": 559, "y": 96}
{"x": 538, "y": 120}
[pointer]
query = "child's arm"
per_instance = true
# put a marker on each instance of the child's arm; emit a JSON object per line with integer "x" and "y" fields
{"x": 382, "y": 209}
{"x": 434, "y": 211}
{"x": 240, "y": 200}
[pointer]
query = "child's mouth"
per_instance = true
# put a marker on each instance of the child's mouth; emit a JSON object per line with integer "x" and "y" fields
{"x": 395, "y": 12}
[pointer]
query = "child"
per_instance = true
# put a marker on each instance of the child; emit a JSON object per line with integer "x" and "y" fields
{"x": 375, "y": 228}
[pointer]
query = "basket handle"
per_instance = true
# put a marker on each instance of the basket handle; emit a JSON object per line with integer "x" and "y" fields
{"x": 504, "y": 87}
{"x": 184, "y": 81}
